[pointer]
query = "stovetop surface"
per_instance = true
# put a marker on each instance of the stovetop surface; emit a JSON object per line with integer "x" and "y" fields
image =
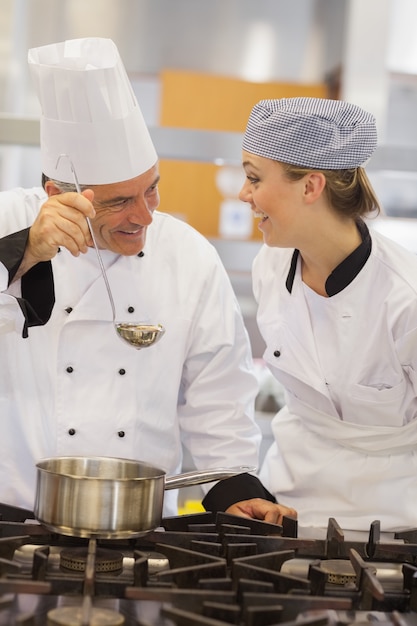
{"x": 208, "y": 569}
{"x": 33, "y": 610}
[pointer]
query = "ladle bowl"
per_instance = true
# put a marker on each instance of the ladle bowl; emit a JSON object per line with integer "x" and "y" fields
{"x": 139, "y": 335}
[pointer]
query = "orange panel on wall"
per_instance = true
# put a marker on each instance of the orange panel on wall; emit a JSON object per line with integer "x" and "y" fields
{"x": 209, "y": 102}
{"x": 193, "y": 100}
{"x": 187, "y": 189}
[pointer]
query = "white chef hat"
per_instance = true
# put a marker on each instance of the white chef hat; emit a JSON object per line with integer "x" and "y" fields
{"x": 89, "y": 112}
{"x": 311, "y": 132}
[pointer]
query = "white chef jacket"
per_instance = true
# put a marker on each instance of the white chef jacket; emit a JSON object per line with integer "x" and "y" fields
{"x": 345, "y": 444}
{"x": 73, "y": 387}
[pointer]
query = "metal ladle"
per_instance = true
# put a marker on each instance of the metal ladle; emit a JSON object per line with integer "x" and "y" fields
{"x": 136, "y": 335}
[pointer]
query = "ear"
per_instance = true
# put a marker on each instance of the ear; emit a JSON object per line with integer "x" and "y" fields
{"x": 51, "y": 189}
{"x": 315, "y": 183}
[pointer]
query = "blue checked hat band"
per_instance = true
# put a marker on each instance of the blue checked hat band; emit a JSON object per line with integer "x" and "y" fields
{"x": 311, "y": 132}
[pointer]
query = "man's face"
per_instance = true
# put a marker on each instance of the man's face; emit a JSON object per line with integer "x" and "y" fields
{"x": 124, "y": 212}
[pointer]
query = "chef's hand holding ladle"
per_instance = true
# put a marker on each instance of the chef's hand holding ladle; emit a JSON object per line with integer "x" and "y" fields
{"x": 138, "y": 335}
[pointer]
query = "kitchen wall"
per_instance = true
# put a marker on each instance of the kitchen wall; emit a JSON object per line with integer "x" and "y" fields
{"x": 267, "y": 40}
{"x": 363, "y": 51}
{"x": 270, "y": 40}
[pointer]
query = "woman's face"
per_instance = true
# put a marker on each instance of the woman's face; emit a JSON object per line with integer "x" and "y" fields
{"x": 274, "y": 199}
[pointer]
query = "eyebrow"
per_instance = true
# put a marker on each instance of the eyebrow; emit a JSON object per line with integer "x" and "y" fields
{"x": 110, "y": 201}
{"x": 249, "y": 164}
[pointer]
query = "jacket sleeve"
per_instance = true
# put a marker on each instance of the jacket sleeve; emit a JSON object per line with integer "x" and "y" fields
{"x": 37, "y": 286}
{"x": 235, "y": 489}
{"x": 219, "y": 386}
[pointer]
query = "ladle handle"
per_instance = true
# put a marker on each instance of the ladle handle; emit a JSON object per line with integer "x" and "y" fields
{"x": 100, "y": 260}
{"x": 205, "y": 476}
{"x": 103, "y": 271}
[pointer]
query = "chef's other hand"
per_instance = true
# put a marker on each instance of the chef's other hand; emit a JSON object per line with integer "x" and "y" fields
{"x": 257, "y": 508}
{"x": 61, "y": 222}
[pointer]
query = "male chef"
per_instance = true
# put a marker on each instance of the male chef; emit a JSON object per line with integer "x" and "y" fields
{"x": 68, "y": 384}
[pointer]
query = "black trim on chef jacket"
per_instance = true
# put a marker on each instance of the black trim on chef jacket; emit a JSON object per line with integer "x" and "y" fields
{"x": 235, "y": 489}
{"x": 38, "y": 294}
{"x": 10, "y": 513}
{"x": 346, "y": 271}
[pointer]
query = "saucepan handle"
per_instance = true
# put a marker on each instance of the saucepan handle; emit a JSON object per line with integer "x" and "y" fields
{"x": 199, "y": 477}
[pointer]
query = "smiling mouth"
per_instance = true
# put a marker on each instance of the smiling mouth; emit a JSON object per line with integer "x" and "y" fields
{"x": 260, "y": 215}
{"x": 131, "y": 233}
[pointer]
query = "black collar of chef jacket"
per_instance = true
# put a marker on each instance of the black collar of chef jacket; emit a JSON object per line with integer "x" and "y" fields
{"x": 346, "y": 271}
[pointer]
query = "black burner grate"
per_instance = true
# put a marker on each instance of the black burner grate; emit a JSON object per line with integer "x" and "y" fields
{"x": 216, "y": 570}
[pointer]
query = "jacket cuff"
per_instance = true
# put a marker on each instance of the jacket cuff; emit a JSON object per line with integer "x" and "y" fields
{"x": 12, "y": 249}
{"x": 37, "y": 285}
{"x": 235, "y": 489}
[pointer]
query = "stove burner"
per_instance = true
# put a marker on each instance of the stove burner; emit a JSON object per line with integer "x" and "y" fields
{"x": 217, "y": 569}
{"x": 73, "y": 616}
{"x": 339, "y": 571}
{"x": 75, "y": 559}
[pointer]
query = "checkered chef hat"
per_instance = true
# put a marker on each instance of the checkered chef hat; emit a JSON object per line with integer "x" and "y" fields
{"x": 311, "y": 132}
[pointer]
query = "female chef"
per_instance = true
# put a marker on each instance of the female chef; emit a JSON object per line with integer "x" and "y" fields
{"x": 337, "y": 308}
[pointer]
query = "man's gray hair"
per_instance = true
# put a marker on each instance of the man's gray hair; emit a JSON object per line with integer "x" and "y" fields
{"x": 65, "y": 187}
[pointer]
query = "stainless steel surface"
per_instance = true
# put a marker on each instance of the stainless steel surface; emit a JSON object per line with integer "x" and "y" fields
{"x": 108, "y": 498}
{"x": 77, "y": 616}
{"x": 139, "y": 335}
{"x": 171, "y": 143}
{"x": 19, "y": 131}
{"x": 310, "y": 42}
{"x": 166, "y": 587}
{"x": 208, "y": 146}
{"x": 198, "y": 477}
{"x": 388, "y": 573}
{"x": 232, "y": 39}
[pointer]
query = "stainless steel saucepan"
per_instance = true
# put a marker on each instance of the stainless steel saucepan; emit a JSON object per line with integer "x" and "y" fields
{"x": 108, "y": 498}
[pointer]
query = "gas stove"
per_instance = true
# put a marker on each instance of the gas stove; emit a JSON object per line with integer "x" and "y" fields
{"x": 205, "y": 569}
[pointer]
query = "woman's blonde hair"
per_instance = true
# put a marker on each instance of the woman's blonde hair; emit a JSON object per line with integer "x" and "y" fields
{"x": 349, "y": 192}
